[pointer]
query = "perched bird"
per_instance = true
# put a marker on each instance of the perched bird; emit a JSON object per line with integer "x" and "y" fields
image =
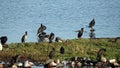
{"x": 24, "y": 37}
{"x": 62, "y": 50}
{"x": 51, "y": 37}
{"x": 75, "y": 63}
{"x": 117, "y": 38}
{"x": 100, "y": 53}
{"x": 3, "y": 40}
{"x": 41, "y": 29}
{"x": 92, "y": 34}
{"x": 114, "y": 63}
{"x": 80, "y": 32}
{"x": 52, "y": 52}
{"x": 28, "y": 64}
{"x": 92, "y": 23}
{"x": 1, "y": 47}
{"x": 58, "y": 39}
{"x": 41, "y": 36}
{"x": 52, "y": 65}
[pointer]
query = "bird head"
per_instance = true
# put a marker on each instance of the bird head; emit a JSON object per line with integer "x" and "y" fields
{"x": 25, "y": 32}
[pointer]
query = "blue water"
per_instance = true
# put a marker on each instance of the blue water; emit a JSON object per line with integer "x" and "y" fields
{"x": 61, "y": 17}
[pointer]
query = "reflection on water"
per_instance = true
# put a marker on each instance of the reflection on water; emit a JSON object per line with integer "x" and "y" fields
{"x": 37, "y": 67}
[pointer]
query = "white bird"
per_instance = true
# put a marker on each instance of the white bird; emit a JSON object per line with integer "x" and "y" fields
{"x": 103, "y": 59}
{"x": 112, "y": 60}
{"x": 1, "y": 47}
{"x": 52, "y": 64}
{"x": 14, "y": 66}
{"x": 28, "y": 64}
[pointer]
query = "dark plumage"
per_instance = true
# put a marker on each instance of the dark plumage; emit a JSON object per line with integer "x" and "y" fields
{"x": 51, "y": 37}
{"x": 80, "y": 32}
{"x": 58, "y": 39}
{"x": 117, "y": 38}
{"x": 24, "y": 37}
{"x": 3, "y": 39}
{"x": 100, "y": 53}
{"x": 41, "y": 29}
{"x": 40, "y": 36}
{"x": 62, "y": 50}
{"x": 15, "y": 59}
{"x": 52, "y": 52}
{"x": 92, "y": 35}
{"x": 92, "y": 23}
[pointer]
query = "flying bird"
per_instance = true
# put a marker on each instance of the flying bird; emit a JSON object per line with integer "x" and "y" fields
{"x": 24, "y": 37}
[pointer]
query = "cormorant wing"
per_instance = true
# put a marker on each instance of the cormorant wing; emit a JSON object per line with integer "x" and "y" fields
{"x": 92, "y": 23}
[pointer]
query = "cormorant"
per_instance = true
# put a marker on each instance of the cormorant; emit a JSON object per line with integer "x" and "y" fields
{"x": 62, "y": 50}
{"x": 52, "y": 52}
{"x": 80, "y": 32}
{"x": 58, "y": 39}
{"x": 24, "y": 37}
{"x": 51, "y": 37}
{"x": 3, "y": 40}
{"x": 41, "y": 29}
{"x": 100, "y": 53}
{"x": 92, "y": 23}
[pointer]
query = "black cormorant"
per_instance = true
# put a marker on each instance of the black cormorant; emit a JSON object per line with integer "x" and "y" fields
{"x": 51, "y": 37}
{"x": 41, "y": 29}
{"x": 80, "y": 32}
{"x": 52, "y": 52}
{"x": 24, "y": 37}
{"x": 62, "y": 50}
{"x": 3, "y": 40}
{"x": 58, "y": 39}
{"x": 92, "y": 23}
{"x": 100, "y": 53}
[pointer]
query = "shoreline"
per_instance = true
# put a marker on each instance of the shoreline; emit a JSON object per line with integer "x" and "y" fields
{"x": 40, "y": 51}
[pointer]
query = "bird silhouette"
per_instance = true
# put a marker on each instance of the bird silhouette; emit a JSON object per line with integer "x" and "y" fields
{"x": 80, "y": 32}
{"x": 3, "y": 40}
{"x": 62, "y": 50}
{"x": 41, "y": 29}
{"x": 24, "y": 37}
{"x": 51, "y": 54}
{"x": 100, "y": 53}
{"x": 51, "y": 37}
{"x": 58, "y": 39}
{"x": 92, "y": 23}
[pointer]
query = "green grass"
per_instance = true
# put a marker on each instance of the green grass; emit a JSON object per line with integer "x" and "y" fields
{"x": 74, "y": 47}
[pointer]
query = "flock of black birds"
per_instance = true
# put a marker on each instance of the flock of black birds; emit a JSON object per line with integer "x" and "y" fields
{"x": 44, "y": 37}
{"x": 86, "y": 61}
{"x": 91, "y": 24}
